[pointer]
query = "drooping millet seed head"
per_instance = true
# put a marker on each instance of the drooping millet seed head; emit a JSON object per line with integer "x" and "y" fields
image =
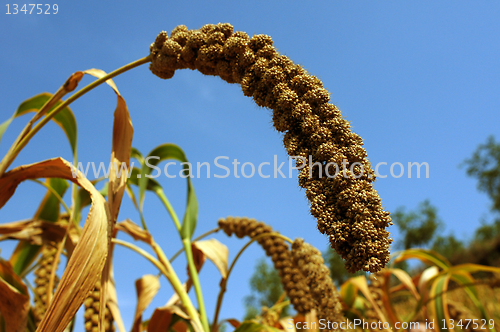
{"x": 276, "y": 248}
{"x": 346, "y": 206}
{"x": 42, "y": 280}
{"x": 312, "y": 266}
{"x": 91, "y": 315}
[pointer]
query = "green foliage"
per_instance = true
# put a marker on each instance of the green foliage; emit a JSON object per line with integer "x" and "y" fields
{"x": 417, "y": 227}
{"x": 65, "y": 118}
{"x": 266, "y": 290}
{"x": 448, "y": 246}
{"x": 337, "y": 270}
{"x": 488, "y": 232}
{"x": 484, "y": 165}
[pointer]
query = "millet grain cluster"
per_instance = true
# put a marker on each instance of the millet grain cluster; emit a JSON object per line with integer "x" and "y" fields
{"x": 347, "y": 208}
{"x": 42, "y": 279}
{"x": 276, "y": 248}
{"x": 317, "y": 275}
{"x": 91, "y": 315}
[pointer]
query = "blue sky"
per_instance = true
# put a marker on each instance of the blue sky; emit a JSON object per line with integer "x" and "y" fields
{"x": 419, "y": 82}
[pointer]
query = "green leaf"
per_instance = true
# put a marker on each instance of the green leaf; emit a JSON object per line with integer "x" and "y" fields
{"x": 82, "y": 199}
{"x": 152, "y": 184}
{"x": 439, "y": 307}
{"x": 191, "y": 215}
{"x": 50, "y": 205}
{"x": 64, "y": 119}
{"x": 348, "y": 293}
{"x": 424, "y": 255}
{"x": 166, "y": 152}
{"x": 48, "y": 210}
{"x": 4, "y": 126}
{"x": 136, "y": 154}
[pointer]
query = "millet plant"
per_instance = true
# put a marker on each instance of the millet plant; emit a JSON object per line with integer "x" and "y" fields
{"x": 347, "y": 208}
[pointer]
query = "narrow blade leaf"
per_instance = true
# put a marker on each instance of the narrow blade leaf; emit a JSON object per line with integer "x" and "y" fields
{"x": 165, "y": 152}
{"x": 64, "y": 119}
{"x": 424, "y": 255}
{"x": 89, "y": 256}
{"x": 121, "y": 147}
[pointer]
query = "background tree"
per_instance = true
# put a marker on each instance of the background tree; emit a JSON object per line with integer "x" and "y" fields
{"x": 266, "y": 289}
{"x": 448, "y": 246}
{"x": 484, "y": 165}
{"x": 337, "y": 270}
{"x": 417, "y": 227}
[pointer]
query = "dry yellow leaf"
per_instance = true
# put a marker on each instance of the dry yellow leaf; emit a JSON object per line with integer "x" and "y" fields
{"x": 34, "y": 231}
{"x": 132, "y": 229}
{"x": 14, "y": 307}
{"x": 147, "y": 287}
{"x": 162, "y": 318}
{"x": 14, "y": 303}
{"x": 214, "y": 251}
{"x": 120, "y": 159}
{"x": 122, "y": 145}
{"x": 89, "y": 256}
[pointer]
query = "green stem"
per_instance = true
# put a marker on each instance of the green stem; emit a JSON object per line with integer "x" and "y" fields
{"x": 223, "y": 281}
{"x": 164, "y": 266}
{"x": 169, "y": 208}
{"x": 9, "y": 158}
{"x": 196, "y": 283}
{"x": 215, "y": 230}
{"x": 179, "y": 288}
{"x": 189, "y": 255}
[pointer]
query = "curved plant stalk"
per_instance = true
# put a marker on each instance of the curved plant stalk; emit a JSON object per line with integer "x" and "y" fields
{"x": 68, "y": 86}
{"x": 223, "y": 281}
{"x": 302, "y": 111}
{"x": 178, "y": 285}
{"x": 163, "y": 264}
{"x": 23, "y": 139}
